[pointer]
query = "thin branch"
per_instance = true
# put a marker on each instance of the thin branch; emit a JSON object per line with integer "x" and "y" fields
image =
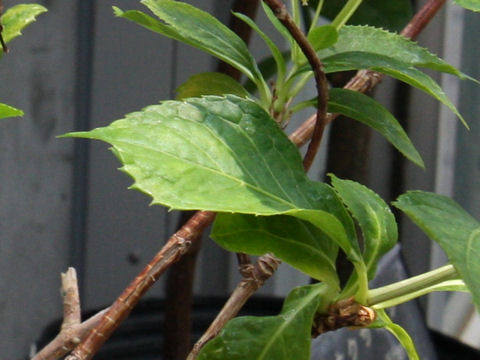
{"x": 280, "y": 11}
{"x": 72, "y": 314}
{"x": 422, "y": 18}
{"x": 177, "y": 245}
{"x": 72, "y": 329}
{"x": 263, "y": 269}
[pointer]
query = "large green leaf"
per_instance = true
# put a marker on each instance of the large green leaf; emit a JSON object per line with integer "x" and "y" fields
{"x": 224, "y": 154}
{"x": 8, "y": 111}
{"x": 473, "y": 5}
{"x": 384, "y": 321}
{"x": 197, "y": 28}
{"x": 17, "y": 18}
{"x": 370, "y": 112}
{"x": 283, "y": 337}
{"x": 293, "y": 240}
{"x": 445, "y": 222}
{"x": 374, "y": 217}
{"x": 210, "y": 83}
{"x": 357, "y": 60}
{"x": 391, "y": 14}
{"x": 378, "y": 41}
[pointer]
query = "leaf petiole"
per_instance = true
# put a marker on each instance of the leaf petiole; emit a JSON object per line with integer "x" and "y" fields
{"x": 346, "y": 13}
{"x": 402, "y": 290}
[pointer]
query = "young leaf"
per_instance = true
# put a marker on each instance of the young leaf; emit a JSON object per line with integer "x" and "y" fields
{"x": 7, "y": 111}
{"x": 278, "y": 25}
{"x": 323, "y": 37}
{"x": 360, "y": 60}
{"x": 384, "y": 321}
{"x": 296, "y": 242}
{"x": 391, "y": 14}
{"x": 210, "y": 83}
{"x": 192, "y": 26}
{"x": 370, "y": 112}
{"x": 378, "y": 41}
{"x": 17, "y": 18}
{"x": 283, "y": 337}
{"x": 445, "y": 222}
{"x": 223, "y": 154}
{"x": 276, "y": 53}
{"x": 374, "y": 217}
{"x": 473, "y": 5}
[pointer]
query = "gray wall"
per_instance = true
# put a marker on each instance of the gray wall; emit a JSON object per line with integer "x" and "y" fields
{"x": 35, "y": 176}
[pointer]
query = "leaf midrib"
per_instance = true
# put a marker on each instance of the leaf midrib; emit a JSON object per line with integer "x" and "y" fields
{"x": 240, "y": 182}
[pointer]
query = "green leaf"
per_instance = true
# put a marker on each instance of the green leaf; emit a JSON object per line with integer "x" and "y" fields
{"x": 17, "y": 18}
{"x": 359, "y": 60}
{"x": 283, "y": 337}
{"x": 7, "y": 111}
{"x": 392, "y": 14}
{"x": 448, "y": 285}
{"x": 445, "y": 222}
{"x": 473, "y": 5}
{"x": 370, "y": 112}
{"x": 296, "y": 242}
{"x": 323, "y": 37}
{"x": 210, "y": 83}
{"x": 374, "y": 217}
{"x": 276, "y": 53}
{"x": 384, "y": 321}
{"x": 378, "y": 41}
{"x": 192, "y": 26}
{"x": 278, "y": 25}
{"x": 223, "y": 154}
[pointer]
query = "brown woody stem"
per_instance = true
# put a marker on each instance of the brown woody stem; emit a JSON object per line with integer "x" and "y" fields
{"x": 72, "y": 329}
{"x": 253, "y": 279}
{"x": 280, "y": 11}
{"x": 176, "y": 246}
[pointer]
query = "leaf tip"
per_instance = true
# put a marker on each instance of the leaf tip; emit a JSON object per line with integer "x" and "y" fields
{"x": 117, "y": 11}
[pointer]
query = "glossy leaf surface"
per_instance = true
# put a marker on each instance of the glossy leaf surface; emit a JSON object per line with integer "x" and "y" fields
{"x": 283, "y": 337}
{"x": 359, "y": 60}
{"x": 374, "y": 217}
{"x": 370, "y": 112}
{"x": 445, "y": 222}
{"x": 197, "y": 28}
{"x": 293, "y": 240}
{"x": 7, "y": 111}
{"x": 210, "y": 83}
{"x": 223, "y": 154}
{"x": 473, "y": 5}
{"x": 378, "y": 41}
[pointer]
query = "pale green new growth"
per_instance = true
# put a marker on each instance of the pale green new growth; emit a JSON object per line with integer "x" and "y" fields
{"x": 9, "y": 111}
